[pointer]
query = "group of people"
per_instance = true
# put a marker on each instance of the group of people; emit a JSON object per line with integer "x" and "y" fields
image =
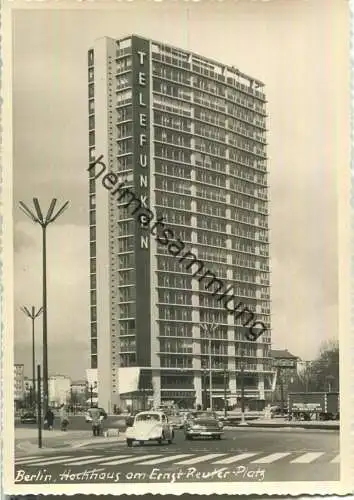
{"x": 50, "y": 417}
{"x": 95, "y": 414}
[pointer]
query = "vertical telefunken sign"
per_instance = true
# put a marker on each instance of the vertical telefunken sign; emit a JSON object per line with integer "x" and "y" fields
{"x": 141, "y": 162}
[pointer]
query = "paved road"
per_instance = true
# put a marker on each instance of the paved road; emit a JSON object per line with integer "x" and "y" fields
{"x": 240, "y": 456}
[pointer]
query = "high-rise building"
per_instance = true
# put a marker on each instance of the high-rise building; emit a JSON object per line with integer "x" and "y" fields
{"x": 188, "y": 136}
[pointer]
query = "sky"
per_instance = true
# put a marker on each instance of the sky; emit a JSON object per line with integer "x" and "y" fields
{"x": 298, "y": 48}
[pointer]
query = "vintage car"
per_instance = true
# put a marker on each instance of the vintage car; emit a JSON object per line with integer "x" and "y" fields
{"x": 150, "y": 426}
{"x": 28, "y": 418}
{"x": 203, "y": 423}
{"x": 88, "y": 417}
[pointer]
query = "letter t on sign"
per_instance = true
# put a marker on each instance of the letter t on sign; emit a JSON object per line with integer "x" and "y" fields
{"x": 141, "y": 57}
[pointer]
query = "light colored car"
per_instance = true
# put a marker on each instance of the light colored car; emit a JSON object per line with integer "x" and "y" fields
{"x": 150, "y": 426}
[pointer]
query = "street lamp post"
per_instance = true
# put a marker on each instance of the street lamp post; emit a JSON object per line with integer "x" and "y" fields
{"x": 225, "y": 391}
{"x": 33, "y": 314}
{"x": 204, "y": 388}
{"x": 44, "y": 221}
{"x": 243, "y": 420}
{"x": 92, "y": 387}
{"x": 209, "y": 329}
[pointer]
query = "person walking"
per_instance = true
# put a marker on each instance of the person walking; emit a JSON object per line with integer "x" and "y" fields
{"x": 64, "y": 420}
{"x": 96, "y": 421}
{"x": 49, "y": 419}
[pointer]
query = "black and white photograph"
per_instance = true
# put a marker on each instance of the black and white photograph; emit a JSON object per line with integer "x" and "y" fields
{"x": 176, "y": 318}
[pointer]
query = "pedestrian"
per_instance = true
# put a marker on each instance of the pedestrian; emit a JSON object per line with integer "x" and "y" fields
{"x": 64, "y": 420}
{"x": 96, "y": 421}
{"x": 49, "y": 419}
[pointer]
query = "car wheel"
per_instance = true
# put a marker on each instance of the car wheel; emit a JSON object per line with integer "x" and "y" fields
{"x": 129, "y": 443}
{"x": 218, "y": 436}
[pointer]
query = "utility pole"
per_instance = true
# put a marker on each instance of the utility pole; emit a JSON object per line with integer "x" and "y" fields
{"x": 91, "y": 394}
{"x": 39, "y": 406}
{"x": 205, "y": 394}
{"x": 225, "y": 391}
{"x": 209, "y": 329}
{"x": 210, "y": 378}
{"x": 281, "y": 382}
{"x": 33, "y": 314}
{"x": 243, "y": 419}
{"x": 44, "y": 221}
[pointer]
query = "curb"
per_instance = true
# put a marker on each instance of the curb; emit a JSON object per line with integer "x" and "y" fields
{"x": 295, "y": 426}
{"x": 97, "y": 441}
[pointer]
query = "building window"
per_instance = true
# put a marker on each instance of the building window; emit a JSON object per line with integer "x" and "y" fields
{"x": 92, "y": 217}
{"x": 93, "y": 346}
{"x": 91, "y": 138}
{"x": 93, "y": 313}
{"x": 92, "y": 266}
{"x": 91, "y": 106}
{"x": 94, "y": 361}
{"x": 93, "y": 297}
{"x": 91, "y": 122}
{"x": 91, "y": 57}
{"x": 93, "y": 233}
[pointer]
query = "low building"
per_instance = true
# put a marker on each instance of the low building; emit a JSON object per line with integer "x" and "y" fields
{"x": 79, "y": 391}
{"x": 285, "y": 365}
{"x": 59, "y": 389}
{"x": 19, "y": 383}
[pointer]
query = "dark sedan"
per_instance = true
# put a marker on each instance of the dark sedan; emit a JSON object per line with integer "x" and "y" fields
{"x": 129, "y": 420}
{"x": 201, "y": 424}
{"x": 28, "y": 418}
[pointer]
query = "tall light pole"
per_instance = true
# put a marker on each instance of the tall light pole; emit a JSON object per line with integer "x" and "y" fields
{"x": 225, "y": 391}
{"x": 209, "y": 329}
{"x": 243, "y": 420}
{"x": 33, "y": 314}
{"x": 44, "y": 221}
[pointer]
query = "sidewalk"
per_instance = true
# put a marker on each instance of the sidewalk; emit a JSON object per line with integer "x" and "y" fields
{"x": 26, "y": 440}
{"x": 283, "y": 423}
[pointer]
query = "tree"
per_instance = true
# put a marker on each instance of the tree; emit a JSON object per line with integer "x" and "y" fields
{"x": 324, "y": 370}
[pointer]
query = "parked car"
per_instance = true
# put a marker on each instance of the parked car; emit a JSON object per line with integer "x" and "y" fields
{"x": 175, "y": 419}
{"x": 28, "y": 418}
{"x": 150, "y": 426}
{"x": 88, "y": 416}
{"x": 203, "y": 423}
{"x": 129, "y": 421}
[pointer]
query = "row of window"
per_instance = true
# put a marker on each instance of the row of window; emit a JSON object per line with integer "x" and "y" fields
{"x": 171, "y": 105}
{"x": 124, "y": 64}
{"x": 215, "y": 194}
{"x": 127, "y": 294}
{"x": 174, "y": 217}
{"x": 167, "y": 168}
{"x": 175, "y": 91}
{"x": 171, "y": 121}
{"x": 175, "y": 297}
{"x": 171, "y": 73}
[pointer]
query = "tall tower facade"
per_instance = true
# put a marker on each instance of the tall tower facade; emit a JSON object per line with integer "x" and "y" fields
{"x": 187, "y": 135}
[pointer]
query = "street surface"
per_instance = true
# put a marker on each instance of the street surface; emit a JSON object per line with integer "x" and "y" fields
{"x": 242, "y": 455}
